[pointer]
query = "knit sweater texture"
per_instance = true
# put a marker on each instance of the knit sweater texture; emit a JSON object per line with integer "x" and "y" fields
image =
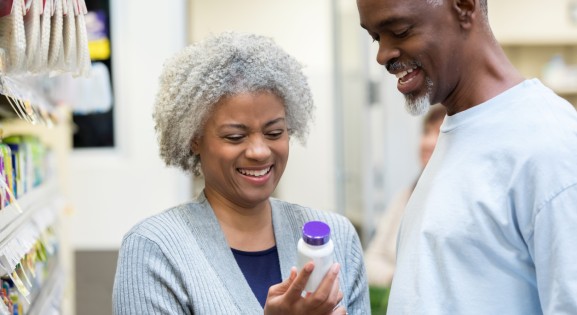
{"x": 179, "y": 262}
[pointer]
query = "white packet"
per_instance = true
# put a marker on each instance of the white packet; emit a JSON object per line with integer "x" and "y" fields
{"x": 55, "y": 35}
{"x": 41, "y": 62}
{"x": 70, "y": 53}
{"x": 33, "y": 35}
{"x": 13, "y": 38}
{"x": 83, "y": 55}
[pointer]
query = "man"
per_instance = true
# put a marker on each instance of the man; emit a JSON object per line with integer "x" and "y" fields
{"x": 490, "y": 227}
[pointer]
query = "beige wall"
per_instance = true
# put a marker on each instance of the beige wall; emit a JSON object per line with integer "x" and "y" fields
{"x": 534, "y": 21}
{"x": 113, "y": 189}
{"x": 303, "y": 28}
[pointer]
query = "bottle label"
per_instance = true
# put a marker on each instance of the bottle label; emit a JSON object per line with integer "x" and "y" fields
{"x": 322, "y": 266}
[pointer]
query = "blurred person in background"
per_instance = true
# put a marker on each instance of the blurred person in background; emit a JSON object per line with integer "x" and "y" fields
{"x": 380, "y": 255}
{"x": 227, "y": 108}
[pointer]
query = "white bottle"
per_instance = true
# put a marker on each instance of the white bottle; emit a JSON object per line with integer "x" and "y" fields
{"x": 316, "y": 245}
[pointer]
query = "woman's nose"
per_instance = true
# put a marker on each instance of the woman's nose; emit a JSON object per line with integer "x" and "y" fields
{"x": 258, "y": 148}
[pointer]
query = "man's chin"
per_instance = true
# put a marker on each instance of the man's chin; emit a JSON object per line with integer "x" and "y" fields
{"x": 417, "y": 106}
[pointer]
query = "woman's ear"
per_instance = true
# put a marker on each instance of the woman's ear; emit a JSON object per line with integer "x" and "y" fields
{"x": 194, "y": 145}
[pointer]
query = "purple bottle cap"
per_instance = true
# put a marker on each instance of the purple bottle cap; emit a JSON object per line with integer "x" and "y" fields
{"x": 316, "y": 233}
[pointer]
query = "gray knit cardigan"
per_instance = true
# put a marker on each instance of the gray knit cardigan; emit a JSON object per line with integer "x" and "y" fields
{"x": 178, "y": 262}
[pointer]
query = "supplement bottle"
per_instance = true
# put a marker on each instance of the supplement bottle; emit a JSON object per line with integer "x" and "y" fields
{"x": 316, "y": 245}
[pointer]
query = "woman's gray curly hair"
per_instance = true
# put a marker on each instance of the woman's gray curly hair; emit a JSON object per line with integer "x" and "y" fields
{"x": 196, "y": 78}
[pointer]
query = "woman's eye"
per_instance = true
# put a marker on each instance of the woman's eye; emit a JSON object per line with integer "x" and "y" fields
{"x": 275, "y": 134}
{"x": 234, "y": 138}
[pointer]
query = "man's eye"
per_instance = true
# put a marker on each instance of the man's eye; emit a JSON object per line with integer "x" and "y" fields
{"x": 374, "y": 37}
{"x": 402, "y": 34}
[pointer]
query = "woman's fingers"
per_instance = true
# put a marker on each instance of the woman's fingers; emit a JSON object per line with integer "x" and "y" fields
{"x": 325, "y": 288}
{"x": 339, "y": 311}
{"x": 336, "y": 294}
{"x": 298, "y": 285}
{"x": 281, "y": 288}
{"x": 286, "y": 297}
{"x": 327, "y": 295}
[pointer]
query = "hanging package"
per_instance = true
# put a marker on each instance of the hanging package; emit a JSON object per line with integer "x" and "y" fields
{"x": 12, "y": 36}
{"x": 32, "y": 27}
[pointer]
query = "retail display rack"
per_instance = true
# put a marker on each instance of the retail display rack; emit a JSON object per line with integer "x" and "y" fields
{"x": 546, "y": 49}
{"x": 39, "y": 40}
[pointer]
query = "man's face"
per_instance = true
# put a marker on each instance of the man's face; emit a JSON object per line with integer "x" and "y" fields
{"x": 416, "y": 44}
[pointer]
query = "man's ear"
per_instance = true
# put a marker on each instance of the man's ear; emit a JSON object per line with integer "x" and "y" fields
{"x": 466, "y": 10}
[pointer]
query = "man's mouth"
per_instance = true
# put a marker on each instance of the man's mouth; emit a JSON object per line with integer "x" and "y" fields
{"x": 409, "y": 80}
{"x": 405, "y": 76}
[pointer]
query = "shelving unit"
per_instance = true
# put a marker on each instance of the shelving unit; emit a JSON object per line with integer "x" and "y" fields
{"x": 531, "y": 44}
{"x": 24, "y": 222}
{"x": 42, "y": 207}
{"x": 33, "y": 205}
{"x": 52, "y": 291}
{"x": 531, "y": 58}
{"x": 47, "y": 38}
{"x": 58, "y": 138}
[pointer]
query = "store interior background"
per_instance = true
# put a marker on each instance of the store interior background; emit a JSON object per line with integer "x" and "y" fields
{"x": 362, "y": 147}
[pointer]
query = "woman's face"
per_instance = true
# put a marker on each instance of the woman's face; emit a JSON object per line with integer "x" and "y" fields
{"x": 244, "y": 148}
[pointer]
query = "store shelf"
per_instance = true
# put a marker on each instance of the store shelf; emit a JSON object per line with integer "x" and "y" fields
{"x": 528, "y": 40}
{"x": 535, "y": 62}
{"x": 29, "y": 89}
{"x": 513, "y": 22}
{"x": 19, "y": 230}
{"x": 50, "y": 136}
{"x": 566, "y": 91}
{"x": 532, "y": 39}
{"x": 42, "y": 207}
{"x": 48, "y": 300}
{"x": 41, "y": 212}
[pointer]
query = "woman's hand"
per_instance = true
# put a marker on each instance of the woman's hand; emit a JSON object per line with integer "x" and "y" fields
{"x": 286, "y": 297}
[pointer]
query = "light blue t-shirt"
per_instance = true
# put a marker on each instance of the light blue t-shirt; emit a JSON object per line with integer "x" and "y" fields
{"x": 491, "y": 227}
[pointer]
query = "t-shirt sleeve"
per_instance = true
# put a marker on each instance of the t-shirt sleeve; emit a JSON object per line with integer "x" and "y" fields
{"x": 555, "y": 253}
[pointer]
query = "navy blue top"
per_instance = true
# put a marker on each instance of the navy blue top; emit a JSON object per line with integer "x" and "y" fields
{"x": 261, "y": 270}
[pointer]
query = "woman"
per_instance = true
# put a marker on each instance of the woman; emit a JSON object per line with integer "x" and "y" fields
{"x": 226, "y": 109}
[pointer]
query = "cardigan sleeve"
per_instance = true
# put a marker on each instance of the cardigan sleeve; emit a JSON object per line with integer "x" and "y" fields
{"x": 358, "y": 288}
{"x": 145, "y": 282}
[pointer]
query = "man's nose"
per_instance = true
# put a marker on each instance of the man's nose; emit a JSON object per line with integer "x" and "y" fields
{"x": 387, "y": 53}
